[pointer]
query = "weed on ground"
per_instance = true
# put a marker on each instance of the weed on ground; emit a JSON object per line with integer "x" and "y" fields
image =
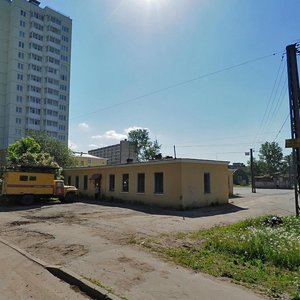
{"x": 261, "y": 253}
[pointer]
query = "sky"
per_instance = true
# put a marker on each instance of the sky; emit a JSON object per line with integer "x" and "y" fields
{"x": 206, "y": 76}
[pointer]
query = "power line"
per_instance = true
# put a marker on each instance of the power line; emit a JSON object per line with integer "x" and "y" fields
{"x": 280, "y": 99}
{"x": 178, "y": 84}
{"x": 215, "y": 145}
{"x": 262, "y": 123}
{"x": 273, "y": 104}
{"x": 281, "y": 127}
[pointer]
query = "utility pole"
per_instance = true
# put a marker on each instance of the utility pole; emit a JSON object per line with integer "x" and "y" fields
{"x": 252, "y": 170}
{"x": 294, "y": 99}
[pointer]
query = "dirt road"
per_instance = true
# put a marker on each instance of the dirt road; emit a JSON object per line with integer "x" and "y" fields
{"x": 94, "y": 241}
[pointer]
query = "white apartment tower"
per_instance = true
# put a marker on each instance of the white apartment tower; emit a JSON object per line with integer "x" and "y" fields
{"x": 35, "y": 54}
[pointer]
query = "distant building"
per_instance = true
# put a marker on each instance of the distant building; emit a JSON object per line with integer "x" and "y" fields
{"x": 87, "y": 160}
{"x": 240, "y": 177}
{"x": 273, "y": 182}
{"x": 237, "y": 166}
{"x": 35, "y": 56}
{"x": 117, "y": 154}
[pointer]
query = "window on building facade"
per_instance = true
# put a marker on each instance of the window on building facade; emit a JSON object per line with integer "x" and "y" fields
{"x": 207, "y": 183}
{"x": 21, "y": 45}
{"x": 111, "y": 183}
{"x": 125, "y": 183}
{"x": 21, "y": 34}
{"x": 85, "y": 182}
{"x": 21, "y": 55}
{"x": 69, "y": 180}
{"x": 77, "y": 181}
{"x": 158, "y": 183}
{"x": 18, "y": 131}
{"x": 19, "y": 109}
{"x": 141, "y": 183}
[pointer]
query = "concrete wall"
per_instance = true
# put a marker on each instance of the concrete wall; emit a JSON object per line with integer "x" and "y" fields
{"x": 193, "y": 193}
{"x": 183, "y": 182}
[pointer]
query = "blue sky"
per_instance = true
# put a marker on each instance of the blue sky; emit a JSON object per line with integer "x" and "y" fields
{"x": 125, "y": 51}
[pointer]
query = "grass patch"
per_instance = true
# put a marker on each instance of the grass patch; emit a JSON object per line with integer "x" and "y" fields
{"x": 252, "y": 252}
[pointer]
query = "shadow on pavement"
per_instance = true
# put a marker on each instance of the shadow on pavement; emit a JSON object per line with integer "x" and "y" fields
{"x": 148, "y": 209}
{"x": 6, "y": 206}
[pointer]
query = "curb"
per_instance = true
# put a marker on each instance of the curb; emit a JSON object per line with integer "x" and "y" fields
{"x": 90, "y": 289}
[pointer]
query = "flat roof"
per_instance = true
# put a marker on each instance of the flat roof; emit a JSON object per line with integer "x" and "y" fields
{"x": 159, "y": 161}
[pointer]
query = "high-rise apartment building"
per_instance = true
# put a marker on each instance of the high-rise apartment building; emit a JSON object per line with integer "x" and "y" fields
{"x": 117, "y": 154}
{"x": 35, "y": 55}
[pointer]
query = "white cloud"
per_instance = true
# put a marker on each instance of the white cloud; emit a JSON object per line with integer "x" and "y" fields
{"x": 73, "y": 146}
{"x": 84, "y": 126}
{"x": 93, "y": 146}
{"x": 110, "y": 135}
{"x": 127, "y": 130}
{"x": 98, "y": 136}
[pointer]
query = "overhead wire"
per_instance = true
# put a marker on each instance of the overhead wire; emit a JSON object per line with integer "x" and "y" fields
{"x": 280, "y": 100}
{"x": 281, "y": 128}
{"x": 273, "y": 102}
{"x": 178, "y": 84}
{"x": 271, "y": 97}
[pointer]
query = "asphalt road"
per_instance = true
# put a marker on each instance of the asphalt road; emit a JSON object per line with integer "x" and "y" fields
{"x": 94, "y": 240}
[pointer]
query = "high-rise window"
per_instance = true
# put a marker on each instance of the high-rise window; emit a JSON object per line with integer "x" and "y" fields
{"x": 23, "y": 13}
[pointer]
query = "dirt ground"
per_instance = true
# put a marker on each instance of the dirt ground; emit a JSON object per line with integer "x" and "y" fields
{"x": 94, "y": 240}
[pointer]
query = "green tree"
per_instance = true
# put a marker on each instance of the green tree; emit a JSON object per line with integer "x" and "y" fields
{"x": 270, "y": 157}
{"x": 144, "y": 147}
{"x": 62, "y": 155}
{"x": 258, "y": 167}
{"x": 38, "y": 159}
{"x": 16, "y": 150}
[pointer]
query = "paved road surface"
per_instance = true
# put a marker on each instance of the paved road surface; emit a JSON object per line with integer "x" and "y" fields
{"x": 92, "y": 240}
{"x": 20, "y": 278}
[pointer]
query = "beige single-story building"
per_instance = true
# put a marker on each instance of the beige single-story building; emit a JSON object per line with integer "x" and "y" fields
{"x": 87, "y": 160}
{"x": 177, "y": 183}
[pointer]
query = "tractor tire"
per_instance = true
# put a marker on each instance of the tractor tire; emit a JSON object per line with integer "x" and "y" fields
{"x": 27, "y": 200}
